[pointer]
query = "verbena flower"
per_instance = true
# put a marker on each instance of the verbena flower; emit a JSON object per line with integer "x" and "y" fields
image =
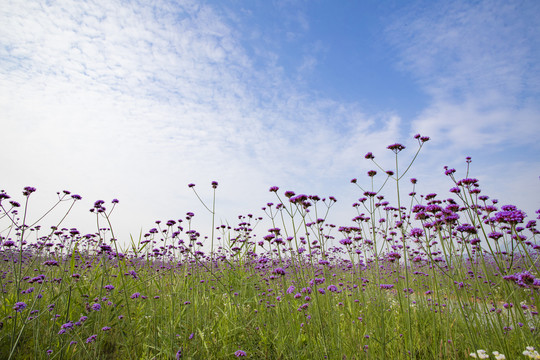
{"x": 240, "y": 353}
{"x": 91, "y": 339}
{"x": 20, "y": 306}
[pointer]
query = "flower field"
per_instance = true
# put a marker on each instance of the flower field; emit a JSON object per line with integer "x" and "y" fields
{"x": 449, "y": 276}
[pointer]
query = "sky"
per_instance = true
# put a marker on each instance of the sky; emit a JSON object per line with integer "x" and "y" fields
{"x": 135, "y": 100}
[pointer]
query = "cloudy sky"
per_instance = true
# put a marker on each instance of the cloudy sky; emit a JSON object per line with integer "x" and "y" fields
{"x": 136, "y": 99}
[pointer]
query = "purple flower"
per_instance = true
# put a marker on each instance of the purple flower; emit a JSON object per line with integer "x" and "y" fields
{"x": 20, "y": 306}
{"x": 96, "y": 307}
{"x": 28, "y": 190}
{"x": 106, "y": 328}
{"x": 386, "y": 286}
{"x": 136, "y": 295}
{"x": 274, "y": 189}
{"x": 291, "y": 289}
{"x": 178, "y": 354}
{"x": 416, "y": 232}
{"x": 395, "y": 147}
{"x": 278, "y": 271}
{"x": 214, "y": 184}
{"x": 68, "y": 325}
{"x": 510, "y": 215}
{"x": 240, "y": 353}
{"x": 91, "y": 339}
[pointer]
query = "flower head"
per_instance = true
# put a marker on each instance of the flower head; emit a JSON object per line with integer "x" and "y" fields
{"x": 395, "y": 147}
{"x": 479, "y": 354}
{"x": 20, "y": 306}
{"x": 240, "y": 353}
{"x": 91, "y": 339}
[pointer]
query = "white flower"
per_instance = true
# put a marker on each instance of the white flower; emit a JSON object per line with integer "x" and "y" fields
{"x": 480, "y": 354}
{"x": 531, "y": 353}
{"x": 499, "y": 356}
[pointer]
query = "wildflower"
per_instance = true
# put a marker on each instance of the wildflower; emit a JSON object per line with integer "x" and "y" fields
{"x": 109, "y": 287}
{"x": 531, "y": 353}
{"x": 72, "y": 343}
{"x": 136, "y": 295}
{"x": 274, "y": 189}
{"x": 106, "y": 328}
{"x": 191, "y": 336}
{"x": 291, "y": 289}
{"x": 278, "y": 271}
{"x": 498, "y": 355}
{"x": 91, "y": 339}
{"x": 395, "y": 147}
{"x": 20, "y": 306}
{"x": 9, "y": 243}
{"x": 178, "y": 354}
{"x": 96, "y": 307}
{"x": 369, "y": 156}
{"x": 214, "y": 184}
{"x": 479, "y": 354}
{"x": 28, "y": 190}
{"x": 510, "y": 214}
{"x": 386, "y": 286}
{"x": 416, "y": 232}
{"x": 240, "y": 353}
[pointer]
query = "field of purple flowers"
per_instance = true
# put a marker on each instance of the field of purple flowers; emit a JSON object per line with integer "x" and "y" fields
{"x": 446, "y": 277}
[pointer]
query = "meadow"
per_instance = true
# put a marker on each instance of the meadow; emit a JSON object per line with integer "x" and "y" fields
{"x": 454, "y": 276}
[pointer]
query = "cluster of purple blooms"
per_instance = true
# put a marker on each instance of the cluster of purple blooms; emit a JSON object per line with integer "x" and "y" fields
{"x": 422, "y": 251}
{"x": 524, "y": 279}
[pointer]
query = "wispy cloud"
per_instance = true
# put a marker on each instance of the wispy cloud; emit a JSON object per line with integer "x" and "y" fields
{"x": 136, "y": 101}
{"x": 478, "y": 62}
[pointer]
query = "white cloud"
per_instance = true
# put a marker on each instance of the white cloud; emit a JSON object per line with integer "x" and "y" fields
{"x": 124, "y": 100}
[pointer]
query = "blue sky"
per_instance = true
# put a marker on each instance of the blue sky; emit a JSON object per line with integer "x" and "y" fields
{"x": 134, "y": 100}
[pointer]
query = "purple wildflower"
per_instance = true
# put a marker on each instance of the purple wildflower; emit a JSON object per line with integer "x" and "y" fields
{"x": 91, "y": 339}
{"x": 395, "y": 147}
{"x": 240, "y": 353}
{"x": 20, "y": 306}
